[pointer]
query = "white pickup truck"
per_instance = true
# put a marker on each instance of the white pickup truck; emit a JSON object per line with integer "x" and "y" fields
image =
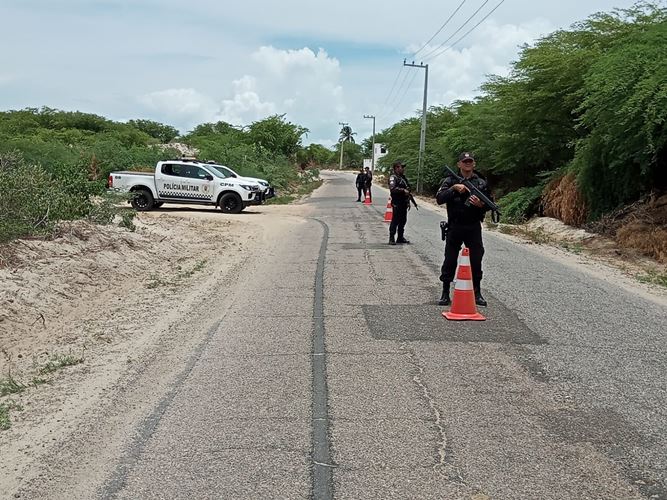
{"x": 186, "y": 181}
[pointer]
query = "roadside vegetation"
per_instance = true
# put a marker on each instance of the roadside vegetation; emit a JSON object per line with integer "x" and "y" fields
{"x": 54, "y": 164}
{"x": 575, "y": 132}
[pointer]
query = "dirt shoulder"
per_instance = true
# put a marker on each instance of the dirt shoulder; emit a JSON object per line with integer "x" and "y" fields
{"x": 83, "y": 314}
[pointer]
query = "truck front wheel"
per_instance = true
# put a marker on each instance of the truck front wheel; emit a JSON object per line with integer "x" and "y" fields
{"x": 142, "y": 200}
{"x": 231, "y": 203}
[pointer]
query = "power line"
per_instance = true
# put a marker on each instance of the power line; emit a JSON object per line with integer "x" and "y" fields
{"x": 414, "y": 75}
{"x": 440, "y": 29}
{"x": 398, "y": 75}
{"x": 400, "y": 88}
{"x": 454, "y": 34}
{"x": 394, "y": 85}
{"x": 469, "y": 31}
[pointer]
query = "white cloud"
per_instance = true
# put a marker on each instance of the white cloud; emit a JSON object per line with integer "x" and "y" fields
{"x": 183, "y": 106}
{"x": 300, "y": 80}
{"x": 282, "y": 63}
{"x": 245, "y": 107}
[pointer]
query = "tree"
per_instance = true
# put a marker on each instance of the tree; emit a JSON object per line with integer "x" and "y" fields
{"x": 316, "y": 154}
{"x": 624, "y": 153}
{"x": 353, "y": 154}
{"x": 277, "y": 135}
{"x": 346, "y": 135}
{"x": 159, "y": 131}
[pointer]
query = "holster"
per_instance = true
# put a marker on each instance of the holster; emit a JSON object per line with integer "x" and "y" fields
{"x": 444, "y": 228}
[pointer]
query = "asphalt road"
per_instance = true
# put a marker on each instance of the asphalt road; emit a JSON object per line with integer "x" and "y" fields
{"x": 332, "y": 374}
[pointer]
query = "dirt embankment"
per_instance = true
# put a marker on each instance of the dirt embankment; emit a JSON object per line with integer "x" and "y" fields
{"x": 67, "y": 295}
{"x": 83, "y": 307}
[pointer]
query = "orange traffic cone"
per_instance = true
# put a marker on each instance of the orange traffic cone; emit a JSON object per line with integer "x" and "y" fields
{"x": 463, "y": 303}
{"x": 367, "y": 200}
{"x": 389, "y": 214}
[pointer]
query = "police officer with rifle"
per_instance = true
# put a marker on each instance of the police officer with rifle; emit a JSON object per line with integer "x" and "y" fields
{"x": 468, "y": 198}
{"x": 401, "y": 196}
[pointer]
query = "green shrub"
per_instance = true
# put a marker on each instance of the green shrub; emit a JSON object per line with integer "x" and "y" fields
{"x": 520, "y": 205}
{"x": 33, "y": 200}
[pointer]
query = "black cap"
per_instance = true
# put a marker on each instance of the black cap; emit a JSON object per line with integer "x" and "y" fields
{"x": 466, "y": 156}
{"x": 398, "y": 163}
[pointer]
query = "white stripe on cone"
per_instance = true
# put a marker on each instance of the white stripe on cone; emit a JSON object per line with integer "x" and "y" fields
{"x": 464, "y": 260}
{"x": 463, "y": 285}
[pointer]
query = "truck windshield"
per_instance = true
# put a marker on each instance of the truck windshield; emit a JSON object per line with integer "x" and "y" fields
{"x": 217, "y": 172}
{"x": 225, "y": 171}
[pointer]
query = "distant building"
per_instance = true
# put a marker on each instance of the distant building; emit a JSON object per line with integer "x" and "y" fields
{"x": 380, "y": 151}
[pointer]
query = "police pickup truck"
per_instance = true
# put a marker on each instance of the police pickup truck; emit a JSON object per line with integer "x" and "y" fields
{"x": 186, "y": 181}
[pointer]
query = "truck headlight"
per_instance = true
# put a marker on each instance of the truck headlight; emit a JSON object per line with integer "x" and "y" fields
{"x": 246, "y": 187}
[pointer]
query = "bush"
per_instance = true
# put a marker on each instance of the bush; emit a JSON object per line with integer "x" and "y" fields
{"x": 520, "y": 205}
{"x": 33, "y": 200}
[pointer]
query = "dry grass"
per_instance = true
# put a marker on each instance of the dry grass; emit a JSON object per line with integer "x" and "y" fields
{"x": 563, "y": 200}
{"x": 650, "y": 240}
{"x": 641, "y": 226}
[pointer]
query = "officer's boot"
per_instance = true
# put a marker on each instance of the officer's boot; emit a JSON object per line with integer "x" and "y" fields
{"x": 402, "y": 240}
{"x": 392, "y": 241}
{"x": 479, "y": 300}
{"x": 445, "y": 300}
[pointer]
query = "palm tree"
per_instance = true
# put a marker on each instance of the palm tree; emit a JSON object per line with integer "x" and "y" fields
{"x": 346, "y": 135}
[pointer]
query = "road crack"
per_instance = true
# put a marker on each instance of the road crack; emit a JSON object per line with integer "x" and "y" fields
{"x": 445, "y": 456}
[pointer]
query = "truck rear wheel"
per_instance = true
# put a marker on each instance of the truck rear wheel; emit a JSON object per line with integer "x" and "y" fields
{"x": 142, "y": 200}
{"x": 230, "y": 203}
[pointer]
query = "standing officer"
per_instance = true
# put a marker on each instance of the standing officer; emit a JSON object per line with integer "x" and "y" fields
{"x": 399, "y": 187}
{"x": 465, "y": 213}
{"x": 369, "y": 182}
{"x": 361, "y": 183}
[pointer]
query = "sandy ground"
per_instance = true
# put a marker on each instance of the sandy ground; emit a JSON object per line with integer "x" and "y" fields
{"x": 109, "y": 301}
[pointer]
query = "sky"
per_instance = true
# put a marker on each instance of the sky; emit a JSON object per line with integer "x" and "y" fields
{"x": 320, "y": 63}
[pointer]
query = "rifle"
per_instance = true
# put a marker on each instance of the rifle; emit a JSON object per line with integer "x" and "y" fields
{"x": 495, "y": 209}
{"x": 412, "y": 199}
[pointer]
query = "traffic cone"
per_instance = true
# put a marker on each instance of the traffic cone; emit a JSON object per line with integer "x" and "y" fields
{"x": 367, "y": 200}
{"x": 389, "y": 214}
{"x": 463, "y": 303}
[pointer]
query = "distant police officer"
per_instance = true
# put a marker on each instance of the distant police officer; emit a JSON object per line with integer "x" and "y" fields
{"x": 361, "y": 183}
{"x": 465, "y": 213}
{"x": 399, "y": 187}
{"x": 369, "y": 183}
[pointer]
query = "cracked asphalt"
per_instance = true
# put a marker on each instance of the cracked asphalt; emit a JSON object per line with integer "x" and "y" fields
{"x": 333, "y": 375}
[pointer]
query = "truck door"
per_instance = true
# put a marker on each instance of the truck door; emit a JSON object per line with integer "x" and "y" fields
{"x": 184, "y": 181}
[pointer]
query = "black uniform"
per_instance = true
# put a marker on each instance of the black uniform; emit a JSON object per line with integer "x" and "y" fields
{"x": 464, "y": 228}
{"x": 400, "y": 203}
{"x": 361, "y": 185}
{"x": 369, "y": 183}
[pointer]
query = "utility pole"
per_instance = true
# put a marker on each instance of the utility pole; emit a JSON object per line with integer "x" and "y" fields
{"x": 422, "y": 137}
{"x": 342, "y": 142}
{"x": 373, "y": 154}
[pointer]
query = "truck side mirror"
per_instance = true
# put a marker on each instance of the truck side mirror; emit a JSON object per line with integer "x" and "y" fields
{"x": 208, "y": 177}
